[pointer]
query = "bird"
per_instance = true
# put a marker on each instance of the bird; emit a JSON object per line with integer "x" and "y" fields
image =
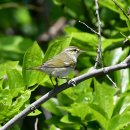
{"x": 60, "y": 65}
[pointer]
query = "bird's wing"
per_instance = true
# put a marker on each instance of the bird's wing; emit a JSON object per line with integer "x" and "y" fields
{"x": 59, "y": 61}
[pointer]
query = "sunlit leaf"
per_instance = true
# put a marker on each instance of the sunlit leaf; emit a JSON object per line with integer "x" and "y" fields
{"x": 33, "y": 58}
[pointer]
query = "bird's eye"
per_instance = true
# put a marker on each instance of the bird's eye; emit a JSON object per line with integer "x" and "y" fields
{"x": 75, "y": 50}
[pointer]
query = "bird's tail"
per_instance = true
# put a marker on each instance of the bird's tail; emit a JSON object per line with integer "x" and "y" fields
{"x": 34, "y": 68}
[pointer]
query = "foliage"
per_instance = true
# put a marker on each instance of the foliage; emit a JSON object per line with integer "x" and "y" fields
{"x": 92, "y": 104}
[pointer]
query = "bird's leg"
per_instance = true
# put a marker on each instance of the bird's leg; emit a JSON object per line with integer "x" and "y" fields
{"x": 56, "y": 79}
{"x": 51, "y": 81}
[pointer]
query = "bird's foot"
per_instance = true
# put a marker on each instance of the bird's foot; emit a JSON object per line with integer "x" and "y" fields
{"x": 72, "y": 82}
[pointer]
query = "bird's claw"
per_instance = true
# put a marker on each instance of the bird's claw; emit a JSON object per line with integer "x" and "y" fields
{"x": 72, "y": 82}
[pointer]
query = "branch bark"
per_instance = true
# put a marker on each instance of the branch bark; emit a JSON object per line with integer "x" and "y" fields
{"x": 70, "y": 83}
{"x": 99, "y": 49}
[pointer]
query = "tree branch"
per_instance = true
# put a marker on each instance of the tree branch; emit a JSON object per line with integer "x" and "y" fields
{"x": 99, "y": 50}
{"x": 70, "y": 83}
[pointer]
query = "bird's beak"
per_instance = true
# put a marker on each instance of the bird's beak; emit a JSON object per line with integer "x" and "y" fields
{"x": 81, "y": 51}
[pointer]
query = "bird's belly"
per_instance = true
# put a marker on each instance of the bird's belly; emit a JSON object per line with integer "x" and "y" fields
{"x": 57, "y": 72}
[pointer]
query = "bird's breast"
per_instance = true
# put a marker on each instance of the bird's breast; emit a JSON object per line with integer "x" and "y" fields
{"x": 57, "y": 72}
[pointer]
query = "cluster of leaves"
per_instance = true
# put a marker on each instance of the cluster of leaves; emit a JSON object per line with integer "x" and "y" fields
{"x": 94, "y": 103}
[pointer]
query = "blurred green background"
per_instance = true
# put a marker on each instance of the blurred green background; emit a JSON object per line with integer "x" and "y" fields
{"x": 33, "y": 31}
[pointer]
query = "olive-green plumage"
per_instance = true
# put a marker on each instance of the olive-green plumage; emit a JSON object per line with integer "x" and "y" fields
{"x": 60, "y": 65}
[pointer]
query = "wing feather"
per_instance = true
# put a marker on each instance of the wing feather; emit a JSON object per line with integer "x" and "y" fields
{"x": 60, "y": 61}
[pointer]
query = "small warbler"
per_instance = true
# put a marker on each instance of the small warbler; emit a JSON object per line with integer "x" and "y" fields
{"x": 60, "y": 65}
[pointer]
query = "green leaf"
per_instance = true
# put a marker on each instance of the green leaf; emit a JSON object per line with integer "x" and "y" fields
{"x": 99, "y": 115}
{"x": 5, "y": 98}
{"x": 14, "y": 44}
{"x": 122, "y": 105}
{"x": 52, "y": 106}
{"x": 57, "y": 46}
{"x": 16, "y": 83}
{"x": 89, "y": 45}
{"x": 21, "y": 100}
{"x": 119, "y": 8}
{"x": 66, "y": 97}
{"x": 53, "y": 127}
{"x": 103, "y": 97}
{"x": 81, "y": 37}
{"x": 84, "y": 112}
{"x": 80, "y": 110}
{"x": 109, "y": 44}
{"x": 122, "y": 79}
{"x": 128, "y": 23}
{"x": 13, "y": 47}
{"x": 33, "y": 58}
{"x": 69, "y": 29}
{"x": 6, "y": 66}
{"x": 127, "y": 127}
{"x": 9, "y": 110}
{"x": 58, "y": 2}
{"x": 83, "y": 92}
{"x": 70, "y": 119}
{"x": 116, "y": 56}
{"x": 110, "y": 5}
{"x": 22, "y": 15}
{"x": 18, "y": 105}
{"x": 63, "y": 126}
{"x": 35, "y": 113}
{"x": 119, "y": 121}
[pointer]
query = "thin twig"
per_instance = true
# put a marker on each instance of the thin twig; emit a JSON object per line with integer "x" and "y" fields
{"x": 88, "y": 27}
{"x": 111, "y": 81}
{"x": 121, "y": 9}
{"x": 36, "y": 124}
{"x": 99, "y": 51}
{"x": 56, "y": 90}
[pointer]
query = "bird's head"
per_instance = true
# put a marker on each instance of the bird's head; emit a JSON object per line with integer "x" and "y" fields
{"x": 73, "y": 51}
